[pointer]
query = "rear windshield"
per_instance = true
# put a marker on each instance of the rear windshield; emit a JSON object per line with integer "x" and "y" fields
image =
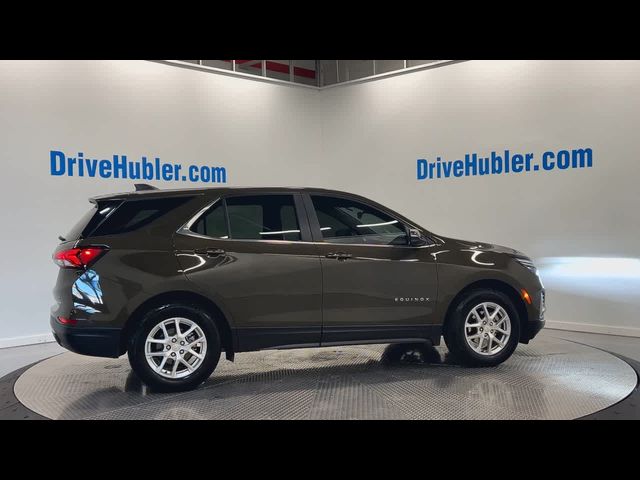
{"x": 117, "y": 216}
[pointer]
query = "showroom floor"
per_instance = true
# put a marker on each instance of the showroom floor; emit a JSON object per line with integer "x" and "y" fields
{"x": 13, "y": 358}
{"x": 558, "y": 376}
{"x": 627, "y": 346}
{"x": 16, "y": 357}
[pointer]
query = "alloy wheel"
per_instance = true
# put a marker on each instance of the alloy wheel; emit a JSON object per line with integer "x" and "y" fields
{"x": 487, "y": 328}
{"x": 175, "y": 347}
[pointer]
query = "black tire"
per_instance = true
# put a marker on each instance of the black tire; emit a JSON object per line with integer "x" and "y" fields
{"x": 150, "y": 377}
{"x": 454, "y": 328}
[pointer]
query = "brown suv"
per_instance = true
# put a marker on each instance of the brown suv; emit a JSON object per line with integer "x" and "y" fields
{"x": 175, "y": 277}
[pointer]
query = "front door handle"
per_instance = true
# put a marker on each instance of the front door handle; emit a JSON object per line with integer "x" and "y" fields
{"x": 339, "y": 255}
{"x": 210, "y": 252}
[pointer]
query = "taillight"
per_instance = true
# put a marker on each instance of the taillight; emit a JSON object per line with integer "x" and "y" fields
{"x": 78, "y": 257}
{"x": 67, "y": 321}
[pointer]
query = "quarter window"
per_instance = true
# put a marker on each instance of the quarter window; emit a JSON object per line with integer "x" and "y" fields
{"x": 213, "y": 223}
{"x": 263, "y": 217}
{"x": 134, "y": 214}
{"x": 346, "y": 221}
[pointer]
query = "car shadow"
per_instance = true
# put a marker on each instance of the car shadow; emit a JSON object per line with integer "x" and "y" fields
{"x": 230, "y": 393}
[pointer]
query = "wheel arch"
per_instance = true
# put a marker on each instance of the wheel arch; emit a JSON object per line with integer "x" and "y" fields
{"x": 498, "y": 285}
{"x": 187, "y": 298}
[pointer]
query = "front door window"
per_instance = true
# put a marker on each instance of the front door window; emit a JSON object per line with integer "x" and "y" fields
{"x": 347, "y": 221}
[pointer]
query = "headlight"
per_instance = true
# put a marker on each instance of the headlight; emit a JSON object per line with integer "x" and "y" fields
{"x": 525, "y": 262}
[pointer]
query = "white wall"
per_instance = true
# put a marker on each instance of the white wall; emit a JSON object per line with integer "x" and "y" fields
{"x": 258, "y": 131}
{"x": 363, "y": 138}
{"x": 581, "y": 226}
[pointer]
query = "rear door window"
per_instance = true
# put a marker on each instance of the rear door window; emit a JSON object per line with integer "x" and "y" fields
{"x": 263, "y": 217}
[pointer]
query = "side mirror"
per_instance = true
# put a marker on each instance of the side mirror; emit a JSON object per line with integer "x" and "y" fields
{"x": 415, "y": 238}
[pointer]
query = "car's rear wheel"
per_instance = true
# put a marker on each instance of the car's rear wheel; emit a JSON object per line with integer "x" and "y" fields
{"x": 175, "y": 348}
{"x": 483, "y": 328}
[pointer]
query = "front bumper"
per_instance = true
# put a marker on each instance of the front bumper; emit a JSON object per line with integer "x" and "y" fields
{"x": 96, "y": 342}
{"x": 531, "y": 329}
{"x": 535, "y": 312}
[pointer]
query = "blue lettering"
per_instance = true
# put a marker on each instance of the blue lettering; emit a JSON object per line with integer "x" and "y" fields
{"x": 167, "y": 170}
{"x": 483, "y": 167}
{"x": 134, "y": 170}
{"x": 422, "y": 169}
{"x": 458, "y": 168}
{"x": 58, "y": 166}
{"x": 563, "y": 159}
{"x": 547, "y": 164}
{"x": 157, "y": 168}
{"x": 193, "y": 173}
{"x": 446, "y": 169}
{"x": 470, "y": 167}
{"x": 527, "y": 160}
{"x": 578, "y": 157}
{"x": 92, "y": 166}
{"x": 496, "y": 163}
{"x": 119, "y": 166}
{"x": 80, "y": 164}
{"x": 105, "y": 168}
{"x": 147, "y": 169}
{"x": 205, "y": 174}
{"x": 218, "y": 175}
{"x": 516, "y": 163}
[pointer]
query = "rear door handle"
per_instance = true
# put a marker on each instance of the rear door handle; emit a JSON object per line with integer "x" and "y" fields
{"x": 210, "y": 252}
{"x": 339, "y": 255}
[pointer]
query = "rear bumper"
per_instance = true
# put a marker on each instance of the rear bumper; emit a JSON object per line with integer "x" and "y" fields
{"x": 96, "y": 342}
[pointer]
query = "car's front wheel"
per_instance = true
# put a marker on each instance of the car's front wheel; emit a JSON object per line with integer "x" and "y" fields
{"x": 175, "y": 348}
{"x": 483, "y": 328}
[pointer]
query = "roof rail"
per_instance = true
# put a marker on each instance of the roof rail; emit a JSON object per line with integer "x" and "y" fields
{"x": 140, "y": 187}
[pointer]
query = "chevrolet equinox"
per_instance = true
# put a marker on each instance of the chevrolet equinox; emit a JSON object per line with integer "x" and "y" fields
{"x": 175, "y": 277}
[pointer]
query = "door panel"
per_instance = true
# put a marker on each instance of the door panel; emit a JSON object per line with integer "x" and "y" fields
{"x": 271, "y": 290}
{"x": 378, "y": 292}
{"x": 375, "y": 286}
